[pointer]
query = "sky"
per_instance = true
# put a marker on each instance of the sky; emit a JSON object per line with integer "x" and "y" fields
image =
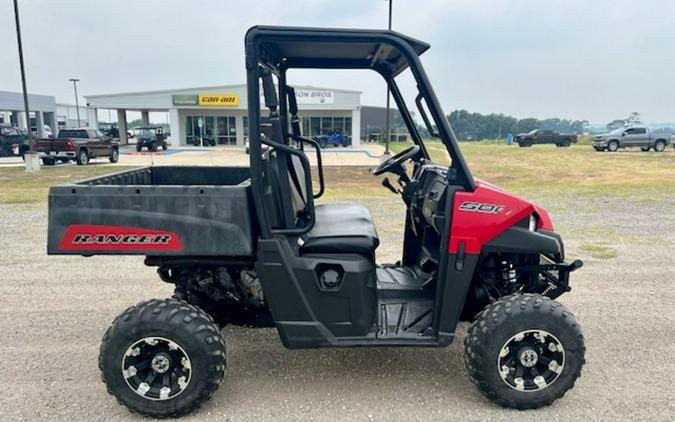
{"x": 596, "y": 60}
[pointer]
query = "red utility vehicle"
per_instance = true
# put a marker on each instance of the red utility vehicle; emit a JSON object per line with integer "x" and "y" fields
{"x": 250, "y": 246}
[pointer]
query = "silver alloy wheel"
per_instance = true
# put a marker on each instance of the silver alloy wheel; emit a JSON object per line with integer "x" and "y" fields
{"x": 156, "y": 368}
{"x": 531, "y": 360}
{"x": 613, "y": 146}
{"x": 659, "y": 146}
{"x": 84, "y": 157}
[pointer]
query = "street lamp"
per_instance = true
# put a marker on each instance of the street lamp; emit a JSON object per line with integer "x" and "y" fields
{"x": 77, "y": 104}
{"x": 387, "y": 123}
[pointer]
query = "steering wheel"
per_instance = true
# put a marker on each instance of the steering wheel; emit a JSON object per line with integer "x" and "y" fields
{"x": 392, "y": 162}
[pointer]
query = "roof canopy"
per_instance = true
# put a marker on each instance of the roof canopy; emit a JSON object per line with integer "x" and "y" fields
{"x": 294, "y": 47}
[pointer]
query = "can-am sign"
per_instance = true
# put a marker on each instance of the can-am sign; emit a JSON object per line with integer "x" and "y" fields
{"x": 207, "y": 100}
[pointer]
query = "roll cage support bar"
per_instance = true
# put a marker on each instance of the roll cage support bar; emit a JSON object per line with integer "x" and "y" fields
{"x": 260, "y": 58}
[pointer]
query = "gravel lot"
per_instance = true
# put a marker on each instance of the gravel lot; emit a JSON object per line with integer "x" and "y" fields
{"x": 54, "y": 311}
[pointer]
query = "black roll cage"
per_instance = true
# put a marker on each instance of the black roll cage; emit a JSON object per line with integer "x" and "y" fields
{"x": 276, "y": 49}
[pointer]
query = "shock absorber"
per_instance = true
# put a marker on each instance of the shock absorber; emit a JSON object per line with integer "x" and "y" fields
{"x": 509, "y": 276}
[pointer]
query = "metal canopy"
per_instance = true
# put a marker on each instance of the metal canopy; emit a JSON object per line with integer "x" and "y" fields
{"x": 292, "y": 47}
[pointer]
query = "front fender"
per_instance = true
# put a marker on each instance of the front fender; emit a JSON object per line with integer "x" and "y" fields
{"x": 518, "y": 239}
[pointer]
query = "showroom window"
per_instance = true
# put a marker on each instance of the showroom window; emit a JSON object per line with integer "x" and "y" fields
{"x": 213, "y": 130}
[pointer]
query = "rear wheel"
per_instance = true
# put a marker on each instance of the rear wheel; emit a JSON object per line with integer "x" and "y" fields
{"x": 660, "y": 146}
{"x": 162, "y": 358}
{"x": 139, "y": 147}
{"x": 524, "y": 351}
{"x": 164, "y": 146}
{"x": 613, "y": 146}
{"x": 114, "y": 156}
{"x": 82, "y": 157}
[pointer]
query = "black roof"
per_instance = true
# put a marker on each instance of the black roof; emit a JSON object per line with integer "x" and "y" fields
{"x": 333, "y": 48}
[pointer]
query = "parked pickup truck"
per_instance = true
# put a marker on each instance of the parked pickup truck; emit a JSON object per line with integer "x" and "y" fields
{"x": 637, "y": 136}
{"x": 12, "y": 142}
{"x": 80, "y": 145}
{"x": 545, "y": 136}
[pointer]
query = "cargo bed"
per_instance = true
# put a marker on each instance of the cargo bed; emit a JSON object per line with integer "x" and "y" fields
{"x": 155, "y": 211}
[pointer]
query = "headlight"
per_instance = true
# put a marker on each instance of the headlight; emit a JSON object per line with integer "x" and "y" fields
{"x": 533, "y": 223}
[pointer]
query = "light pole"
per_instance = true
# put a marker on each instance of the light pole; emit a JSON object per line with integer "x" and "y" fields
{"x": 387, "y": 123}
{"x": 77, "y": 104}
{"x": 23, "y": 72}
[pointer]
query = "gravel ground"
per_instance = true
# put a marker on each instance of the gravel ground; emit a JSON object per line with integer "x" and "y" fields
{"x": 54, "y": 311}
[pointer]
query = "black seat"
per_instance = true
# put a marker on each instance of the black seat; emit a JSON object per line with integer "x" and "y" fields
{"x": 341, "y": 228}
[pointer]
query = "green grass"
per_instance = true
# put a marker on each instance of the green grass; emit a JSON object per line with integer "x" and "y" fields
{"x": 576, "y": 170}
{"x": 19, "y": 186}
{"x": 541, "y": 170}
{"x": 599, "y": 251}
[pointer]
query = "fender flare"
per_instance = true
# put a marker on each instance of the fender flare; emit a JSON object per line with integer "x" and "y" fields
{"x": 521, "y": 240}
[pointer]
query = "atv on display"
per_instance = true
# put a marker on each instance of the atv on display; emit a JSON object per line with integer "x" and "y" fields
{"x": 151, "y": 137}
{"x": 248, "y": 245}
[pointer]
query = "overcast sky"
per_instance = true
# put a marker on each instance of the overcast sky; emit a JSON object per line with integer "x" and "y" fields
{"x": 579, "y": 59}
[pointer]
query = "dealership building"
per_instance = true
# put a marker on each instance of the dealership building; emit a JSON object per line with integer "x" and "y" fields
{"x": 219, "y": 113}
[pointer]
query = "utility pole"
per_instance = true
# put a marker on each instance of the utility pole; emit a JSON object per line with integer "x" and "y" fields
{"x": 32, "y": 163}
{"x": 77, "y": 104}
{"x": 387, "y": 122}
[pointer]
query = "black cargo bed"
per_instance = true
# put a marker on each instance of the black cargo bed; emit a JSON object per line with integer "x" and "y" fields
{"x": 158, "y": 211}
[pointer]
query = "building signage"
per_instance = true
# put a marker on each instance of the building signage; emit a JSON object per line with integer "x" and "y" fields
{"x": 219, "y": 100}
{"x": 314, "y": 96}
{"x": 185, "y": 99}
{"x": 309, "y": 96}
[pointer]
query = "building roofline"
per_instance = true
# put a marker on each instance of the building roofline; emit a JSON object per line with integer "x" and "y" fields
{"x": 211, "y": 87}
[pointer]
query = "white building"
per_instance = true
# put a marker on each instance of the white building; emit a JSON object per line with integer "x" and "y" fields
{"x": 220, "y": 112}
{"x": 42, "y": 111}
{"x": 66, "y": 115}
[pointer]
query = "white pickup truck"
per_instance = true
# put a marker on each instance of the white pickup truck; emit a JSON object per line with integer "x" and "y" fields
{"x": 633, "y": 137}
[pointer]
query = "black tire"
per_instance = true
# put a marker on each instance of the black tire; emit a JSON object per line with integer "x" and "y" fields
{"x": 82, "y": 157}
{"x": 499, "y": 325}
{"x": 171, "y": 321}
{"x": 660, "y": 146}
{"x": 114, "y": 156}
{"x": 644, "y": 149}
{"x": 153, "y": 146}
{"x": 613, "y": 146}
{"x": 139, "y": 147}
{"x": 323, "y": 143}
{"x": 521, "y": 144}
{"x": 164, "y": 146}
{"x": 48, "y": 161}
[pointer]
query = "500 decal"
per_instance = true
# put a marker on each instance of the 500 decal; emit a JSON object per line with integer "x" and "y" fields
{"x": 478, "y": 207}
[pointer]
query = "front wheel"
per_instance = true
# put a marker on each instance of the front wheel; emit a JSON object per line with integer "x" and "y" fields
{"x": 613, "y": 146}
{"x": 162, "y": 358}
{"x": 524, "y": 351}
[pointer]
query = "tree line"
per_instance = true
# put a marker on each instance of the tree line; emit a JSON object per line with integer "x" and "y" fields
{"x": 477, "y": 126}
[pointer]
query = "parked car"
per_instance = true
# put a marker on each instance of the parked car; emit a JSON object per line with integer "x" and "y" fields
{"x": 46, "y": 129}
{"x": 545, "y": 136}
{"x": 633, "y": 137}
{"x": 80, "y": 145}
{"x": 13, "y": 142}
{"x": 151, "y": 137}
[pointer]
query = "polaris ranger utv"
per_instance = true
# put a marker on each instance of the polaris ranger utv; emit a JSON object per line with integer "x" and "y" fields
{"x": 250, "y": 246}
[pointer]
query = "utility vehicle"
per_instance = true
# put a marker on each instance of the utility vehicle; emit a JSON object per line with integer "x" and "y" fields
{"x": 151, "y": 137}
{"x": 251, "y": 246}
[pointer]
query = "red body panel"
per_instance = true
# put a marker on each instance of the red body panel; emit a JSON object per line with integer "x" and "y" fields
{"x": 483, "y": 214}
{"x": 85, "y": 237}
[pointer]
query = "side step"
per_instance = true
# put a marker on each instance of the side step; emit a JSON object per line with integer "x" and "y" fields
{"x": 404, "y": 319}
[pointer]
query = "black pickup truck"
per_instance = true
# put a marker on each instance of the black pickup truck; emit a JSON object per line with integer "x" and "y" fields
{"x": 545, "y": 136}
